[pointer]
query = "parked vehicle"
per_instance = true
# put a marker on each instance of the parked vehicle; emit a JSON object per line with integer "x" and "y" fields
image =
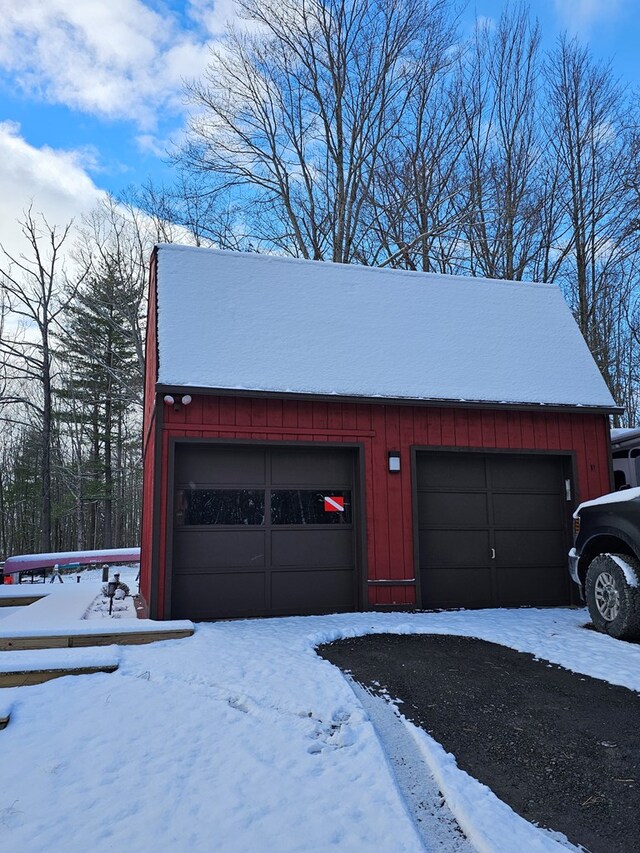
{"x": 605, "y": 561}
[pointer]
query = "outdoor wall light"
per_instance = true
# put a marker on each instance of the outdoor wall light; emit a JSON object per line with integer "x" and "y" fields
{"x": 394, "y": 461}
{"x": 177, "y": 400}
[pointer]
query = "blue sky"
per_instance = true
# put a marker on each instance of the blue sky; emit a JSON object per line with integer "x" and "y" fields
{"x": 91, "y": 90}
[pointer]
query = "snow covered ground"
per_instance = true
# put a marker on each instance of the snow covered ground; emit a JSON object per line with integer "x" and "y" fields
{"x": 241, "y": 738}
{"x": 7, "y": 611}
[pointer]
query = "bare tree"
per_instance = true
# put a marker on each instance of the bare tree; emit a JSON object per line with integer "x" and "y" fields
{"x": 505, "y": 191}
{"x": 294, "y": 114}
{"x": 71, "y": 375}
{"x": 414, "y": 218}
{"x": 192, "y": 211}
{"x": 37, "y": 291}
{"x": 590, "y": 139}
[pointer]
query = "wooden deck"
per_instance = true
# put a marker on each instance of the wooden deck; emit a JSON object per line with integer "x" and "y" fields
{"x": 20, "y": 600}
{"x": 70, "y": 641}
{"x": 21, "y": 638}
{"x": 24, "y": 678}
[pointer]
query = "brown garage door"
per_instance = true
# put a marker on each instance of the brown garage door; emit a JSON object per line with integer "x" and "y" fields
{"x": 492, "y": 529}
{"x": 261, "y": 531}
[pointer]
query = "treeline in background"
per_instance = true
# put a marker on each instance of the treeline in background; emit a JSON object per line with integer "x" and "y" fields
{"x": 369, "y": 132}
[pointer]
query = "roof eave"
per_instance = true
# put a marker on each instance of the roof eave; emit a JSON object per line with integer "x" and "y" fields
{"x": 162, "y": 388}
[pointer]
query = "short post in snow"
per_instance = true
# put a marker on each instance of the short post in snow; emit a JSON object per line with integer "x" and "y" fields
{"x": 112, "y": 586}
{"x": 105, "y": 573}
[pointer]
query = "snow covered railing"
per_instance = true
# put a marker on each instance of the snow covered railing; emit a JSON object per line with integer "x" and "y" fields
{"x": 31, "y": 562}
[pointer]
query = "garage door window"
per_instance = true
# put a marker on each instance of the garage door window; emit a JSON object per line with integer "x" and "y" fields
{"x": 219, "y": 506}
{"x": 308, "y": 506}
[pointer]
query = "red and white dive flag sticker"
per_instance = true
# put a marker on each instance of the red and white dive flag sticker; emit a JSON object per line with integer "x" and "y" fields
{"x": 333, "y": 504}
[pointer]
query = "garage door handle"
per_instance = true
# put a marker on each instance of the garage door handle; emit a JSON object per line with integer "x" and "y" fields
{"x": 493, "y": 553}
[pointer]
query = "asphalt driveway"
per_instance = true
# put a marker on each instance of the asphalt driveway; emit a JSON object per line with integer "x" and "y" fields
{"x": 563, "y": 750}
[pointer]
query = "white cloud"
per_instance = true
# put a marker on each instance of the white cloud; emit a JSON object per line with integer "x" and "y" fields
{"x": 484, "y": 22}
{"x": 212, "y": 16}
{"x": 119, "y": 59}
{"x": 54, "y": 181}
{"x": 150, "y": 144}
{"x": 579, "y": 17}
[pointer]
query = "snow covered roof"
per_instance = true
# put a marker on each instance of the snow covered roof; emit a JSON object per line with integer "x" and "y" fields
{"x": 237, "y": 321}
{"x": 619, "y": 437}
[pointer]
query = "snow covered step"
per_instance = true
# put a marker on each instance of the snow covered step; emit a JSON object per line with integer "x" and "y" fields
{"x": 57, "y": 659}
{"x": 24, "y": 678}
{"x": 19, "y": 600}
{"x": 69, "y": 603}
{"x": 21, "y": 668}
{"x": 57, "y": 621}
{"x": 16, "y": 594}
{"x": 88, "y": 633}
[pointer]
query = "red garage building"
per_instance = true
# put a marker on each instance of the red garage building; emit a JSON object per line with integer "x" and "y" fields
{"x": 321, "y": 437}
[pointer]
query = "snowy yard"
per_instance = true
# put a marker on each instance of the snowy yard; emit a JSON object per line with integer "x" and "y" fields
{"x": 242, "y": 738}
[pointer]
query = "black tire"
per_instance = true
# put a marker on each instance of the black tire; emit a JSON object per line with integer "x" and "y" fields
{"x": 614, "y": 604}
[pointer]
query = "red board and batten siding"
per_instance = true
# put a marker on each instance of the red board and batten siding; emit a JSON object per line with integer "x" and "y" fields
{"x": 379, "y": 428}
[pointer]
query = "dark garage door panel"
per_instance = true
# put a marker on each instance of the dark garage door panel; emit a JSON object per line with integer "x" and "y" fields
{"x": 491, "y": 529}
{"x": 540, "y": 586}
{"x": 218, "y": 549}
{"x": 451, "y": 548}
{"x": 314, "y": 467}
{"x": 193, "y": 594}
{"x": 219, "y": 464}
{"x": 438, "y": 508}
{"x": 325, "y": 589}
{"x": 451, "y": 471}
{"x": 457, "y": 587}
{"x": 268, "y": 568}
{"x": 535, "y": 511}
{"x": 534, "y": 548}
{"x": 311, "y": 548}
{"x": 539, "y": 472}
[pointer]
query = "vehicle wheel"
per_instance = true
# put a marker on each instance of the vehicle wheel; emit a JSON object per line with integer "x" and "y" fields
{"x": 614, "y": 604}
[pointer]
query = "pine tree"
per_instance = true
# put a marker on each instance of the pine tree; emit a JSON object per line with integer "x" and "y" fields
{"x": 101, "y": 381}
